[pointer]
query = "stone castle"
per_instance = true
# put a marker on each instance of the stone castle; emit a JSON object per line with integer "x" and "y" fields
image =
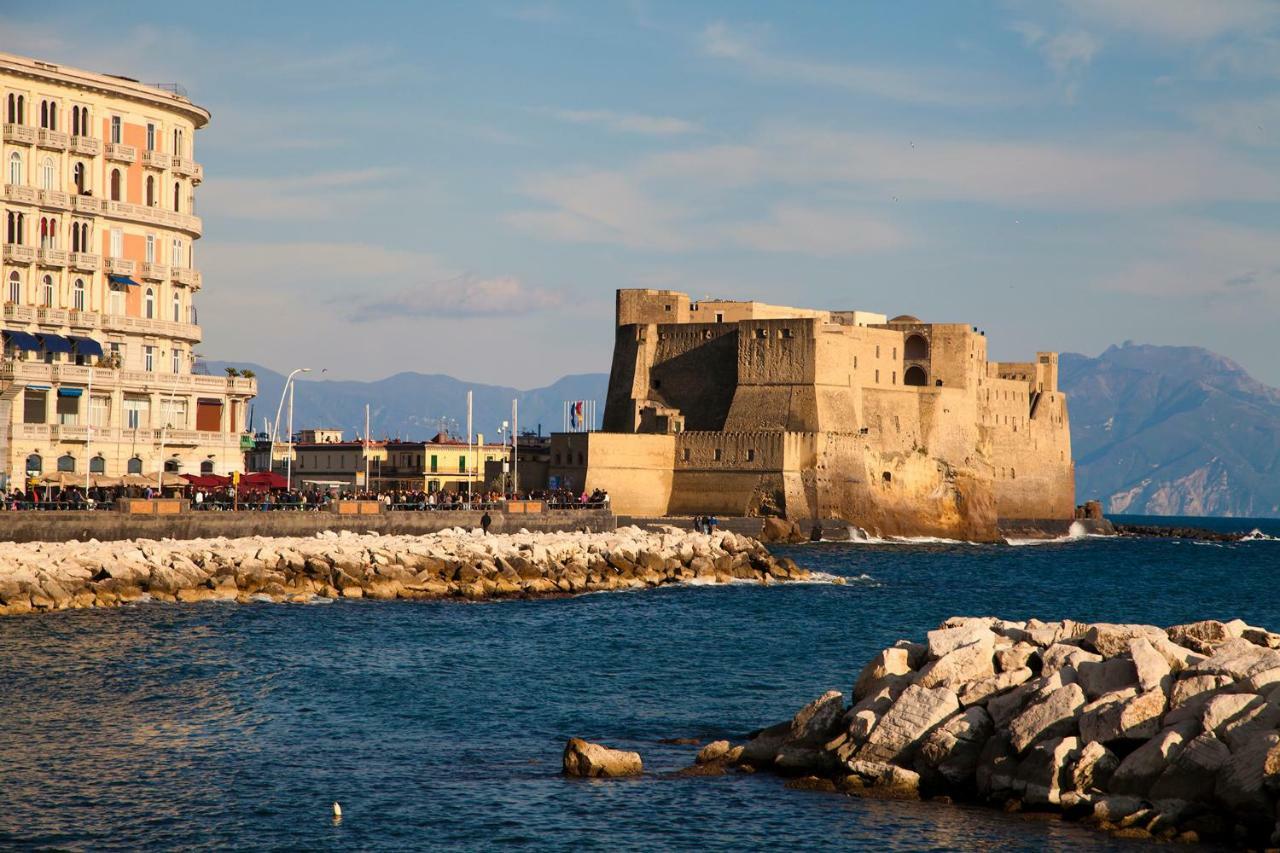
{"x": 897, "y": 426}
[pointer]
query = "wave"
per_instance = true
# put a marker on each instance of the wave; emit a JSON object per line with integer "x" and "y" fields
{"x": 1256, "y": 535}
{"x": 1075, "y": 533}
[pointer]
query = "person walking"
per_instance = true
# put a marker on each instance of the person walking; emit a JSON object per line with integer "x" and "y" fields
{"x": 485, "y": 521}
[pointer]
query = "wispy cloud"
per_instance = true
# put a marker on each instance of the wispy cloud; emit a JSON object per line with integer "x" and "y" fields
{"x": 1180, "y": 20}
{"x": 1251, "y": 121}
{"x": 818, "y": 232}
{"x": 1067, "y": 53}
{"x": 317, "y": 196}
{"x": 621, "y": 122}
{"x": 463, "y": 296}
{"x": 938, "y": 88}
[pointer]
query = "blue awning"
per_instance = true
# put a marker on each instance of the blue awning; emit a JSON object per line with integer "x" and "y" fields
{"x": 122, "y": 279}
{"x": 85, "y": 346}
{"x": 70, "y": 392}
{"x": 21, "y": 340}
{"x": 37, "y": 387}
{"x": 55, "y": 343}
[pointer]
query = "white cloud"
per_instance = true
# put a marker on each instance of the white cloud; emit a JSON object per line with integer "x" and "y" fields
{"x": 1067, "y": 54}
{"x": 1252, "y": 121}
{"x": 629, "y": 122}
{"x": 937, "y": 88}
{"x": 1180, "y": 20}
{"x": 459, "y": 297}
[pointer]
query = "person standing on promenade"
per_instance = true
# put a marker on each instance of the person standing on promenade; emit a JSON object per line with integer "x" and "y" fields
{"x": 485, "y": 521}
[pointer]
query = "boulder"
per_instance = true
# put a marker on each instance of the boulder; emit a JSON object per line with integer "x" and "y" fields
{"x": 945, "y": 640}
{"x": 1190, "y": 693}
{"x": 1107, "y": 676}
{"x": 714, "y": 751}
{"x": 815, "y": 723}
{"x": 1110, "y": 640}
{"x": 1242, "y": 784}
{"x": 1045, "y": 771}
{"x": 952, "y": 750}
{"x": 881, "y": 780}
{"x": 1093, "y": 768}
{"x": 1051, "y": 717}
{"x": 1193, "y": 772}
{"x": 1203, "y": 636}
{"x": 977, "y": 692}
{"x": 1151, "y": 668}
{"x": 997, "y": 764}
{"x": 1225, "y": 707}
{"x": 1251, "y": 667}
{"x": 888, "y": 663}
{"x": 908, "y": 721}
{"x": 1060, "y": 655}
{"x": 1141, "y": 768}
{"x": 582, "y": 758}
{"x": 761, "y": 749}
{"x": 1017, "y": 656}
{"x": 970, "y": 662}
{"x": 1123, "y": 715}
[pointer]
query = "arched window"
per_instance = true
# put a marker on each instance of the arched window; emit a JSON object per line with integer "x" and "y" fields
{"x": 53, "y": 115}
{"x": 77, "y": 175}
{"x": 11, "y": 221}
{"x": 150, "y": 304}
{"x": 75, "y": 121}
{"x": 48, "y": 291}
{"x": 22, "y": 110}
{"x": 915, "y": 375}
{"x": 15, "y": 169}
{"x": 177, "y": 308}
{"x": 172, "y": 465}
{"x": 206, "y": 467}
{"x": 135, "y": 466}
{"x": 15, "y": 288}
{"x": 48, "y": 174}
{"x": 177, "y": 188}
{"x": 12, "y": 115}
{"x": 77, "y": 295}
{"x": 115, "y": 184}
{"x": 34, "y": 464}
{"x": 917, "y": 349}
{"x": 151, "y": 191}
{"x": 67, "y": 462}
{"x": 44, "y": 232}
{"x": 84, "y": 236}
{"x": 75, "y": 237}
{"x": 97, "y": 465}
{"x": 44, "y": 114}
{"x": 21, "y": 231}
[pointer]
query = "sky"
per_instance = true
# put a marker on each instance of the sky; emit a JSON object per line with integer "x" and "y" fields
{"x": 460, "y": 187}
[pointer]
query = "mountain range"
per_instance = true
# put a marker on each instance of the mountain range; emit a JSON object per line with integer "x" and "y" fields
{"x": 1155, "y": 430}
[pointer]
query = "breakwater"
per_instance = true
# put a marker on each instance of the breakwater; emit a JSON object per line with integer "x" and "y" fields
{"x": 1142, "y": 731}
{"x": 455, "y": 563}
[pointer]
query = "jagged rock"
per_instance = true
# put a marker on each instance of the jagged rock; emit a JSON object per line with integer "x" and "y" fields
{"x": 1044, "y": 771}
{"x": 714, "y": 751}
{"x": 1242, "y": 781}
{"x": 970, "y": 662}
{"x": 1107, "y": 676}
{"x": 889, "y": 663}
{"x": 883, "y": 780}
{"x": 977, "y": 692}
{"x": 1093, "y": 767}
{"x": 761, "y": 750}
{"x": 1152, "y": 668}
{"x": 1142, "y": 767}
{"x": 582, "y": 758}
{"x": 1016, "y": 657}
{"x": 907, "y": 722}
{"x": 953, "y": 748}
{"x": 1252, "y": 667}
{"x": 1060, "y": 655}
{"x": 1125, "y": 714}
{"x": 1201, "y": 636}
{"x": 1052, "y": 716}
{"x": 816, "y": 722}
{"x": 943, "y": 641}
{"x": 1191, "y": 693}
{"x": 1221, "y": 709}
{"x": 997, "y": 764}
{"x": 1192, "y": 773}
{"x": 1114, "y": 809}
{"x": 1110, "y": 640}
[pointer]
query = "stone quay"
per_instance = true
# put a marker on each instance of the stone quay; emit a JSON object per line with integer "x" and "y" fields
{"x": 452, "y": 564}
{"x": 1145, "y": 732}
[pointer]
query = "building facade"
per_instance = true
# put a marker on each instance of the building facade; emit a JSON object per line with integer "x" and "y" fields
{"x": 894, "y": 425}
{"x": 99, "y": 281}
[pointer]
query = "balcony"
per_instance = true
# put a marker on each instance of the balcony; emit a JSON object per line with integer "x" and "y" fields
{"x": 52, "y": 257}
{"x": 121, "y": 153}
{"x": 84, "y": 261}
{"x": 19, "y": 194}
{"x": 154, "y": 215}
{"x": 56, "y": 199}
{"x": 187, "y": 276}
{"x": 156, "y": 159}
{"x": 52, "y": 316}
{"x": 52, "y": 139}
{"x": 86, "y": 145}
{"x": 120, "y": 266}
{"x": 155, "y": 272}
{"x": 159, "y": 328}
{"x": 82, "y": 320}
{"x": 15, "y": 254}
{"x": 19, "y": 313}
{"x": 19, "y": 134}
{"x": 88, "y": 204}
{"x": 187, "y": 166}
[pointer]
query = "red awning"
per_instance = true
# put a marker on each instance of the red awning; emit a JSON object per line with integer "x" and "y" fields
{"x": 259, "y": 480}
{"x": 207, "y": 481}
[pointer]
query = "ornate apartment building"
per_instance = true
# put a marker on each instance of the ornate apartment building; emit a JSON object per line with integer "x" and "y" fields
{"x": 99, "y": 281}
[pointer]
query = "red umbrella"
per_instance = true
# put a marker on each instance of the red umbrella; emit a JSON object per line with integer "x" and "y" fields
{"x": 207, "y": 481}
{"x": 262, "y": 480}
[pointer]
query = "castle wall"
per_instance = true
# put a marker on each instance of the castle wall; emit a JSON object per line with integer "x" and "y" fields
{"x": 635, "y": 469}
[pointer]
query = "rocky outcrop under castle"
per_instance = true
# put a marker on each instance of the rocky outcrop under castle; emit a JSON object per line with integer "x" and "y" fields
{"x": 1144, "y": 731}
{"x": 43, "y": 576}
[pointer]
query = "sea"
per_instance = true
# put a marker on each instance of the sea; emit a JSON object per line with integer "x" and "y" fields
{"x": 440, "y": 726}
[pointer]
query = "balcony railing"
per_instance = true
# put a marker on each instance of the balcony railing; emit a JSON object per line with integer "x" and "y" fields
{"x": 13, "y": 370}
{"x": 155, "y": 272}
{"x": 52, "y": 257}
{"x": 53, "y": 198}
{"x": 19, "y": 194}
{"x": 122, "y": 153}
{"x": 120, "y": 266}
{"x": 186, "y": 166}
{"x": 19, "y": 313}
{"x": 143, "y": 326}
{"x": 154, "y": 215}
{"x": 52, "y": 316}
{"x": 156, "y": 159}
{"x": 55, "y": 139}
{"x": 80, "y": 432}
{"x": 15, "y": 254}
{"x": 187, "y": 276}
{"x": 86, "y": 145}
{"x": 84, "y": 261}
{"x": 88, "y": 204}
{"x": 82, "y": 320}
{"x": 20, "y": 134}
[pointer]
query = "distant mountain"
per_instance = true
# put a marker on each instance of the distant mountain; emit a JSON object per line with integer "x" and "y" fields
{"x": 415, "y": 406}
{"x": 1173, "y": 431}
{"x": 1155, "y": 430}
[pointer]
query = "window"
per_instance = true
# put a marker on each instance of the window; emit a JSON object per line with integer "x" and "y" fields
{"x": 719, "y": 454}
{"x": 877, "y": 350}
{"x": 434, "y": 467}
{"x": 115, "y": 129}
{"x": 15, "y": 168}
{"x": 177, "y": 189}
{"x": 15, "y": 288}
{"x": 177, "y": 308}
{"x": 75, "y": 121}
{"x": 151, "y": 191}
{"x": 135, "y": 465}
{"x": 175, "y": 255}
{"x": 77, "y": 176}
{"x": 151, "y": 137}
{"x": 77, "y": 295}
{"x": 177, "y": 142}
{"x": 34, "y": 406}
{"x": 115, "y": 184}
{"x": 115, "y": 303}
{"x": 48, "y": 174}
{"x": 34, "y": 464}
{"x": 100, "y": 412}
{"x": 462, "y": 463}
{"x": 68, "y": 407}
{"x": 177, "y": 360}
{"x": 916, "y": 349}
{"x": 149, "y": 358}
{"x": 719, "y": 316}
{"x": 877, "y": 377}
{"x": 686, "y": 454}
{"x": 206, "y": 467}
{"x": 97, "y": 465}
{"x": 48, "y": 292}
{"x": 117, "y": 242}
{"x": 151, "y": 248}
{"x": 137, "y": 411}
{"x": 150, "y": 304}
{"x": 48, "y": 233}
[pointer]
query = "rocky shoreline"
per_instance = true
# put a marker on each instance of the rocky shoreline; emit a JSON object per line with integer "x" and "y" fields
{"x": 453, "y": 564}
{"x": 1142, "y": 731}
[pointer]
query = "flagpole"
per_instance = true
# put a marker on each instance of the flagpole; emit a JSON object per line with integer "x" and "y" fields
{"x": 515, "y": 451}
{"x": 469, "y": 445}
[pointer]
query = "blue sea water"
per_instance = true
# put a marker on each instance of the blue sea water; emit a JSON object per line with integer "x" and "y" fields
{"x": 440, "y": 725}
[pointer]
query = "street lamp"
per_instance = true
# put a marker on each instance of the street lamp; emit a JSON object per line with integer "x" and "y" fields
{"x": 275, "y": 425}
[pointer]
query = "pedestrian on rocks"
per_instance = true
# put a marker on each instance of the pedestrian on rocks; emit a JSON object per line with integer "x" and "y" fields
{"x": 712, "y": 521}
{"x": 697, "y": 523}
{"x": 485, "y": 521}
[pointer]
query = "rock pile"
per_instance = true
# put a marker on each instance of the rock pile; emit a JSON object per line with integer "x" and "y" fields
{"x": 41, "y": 576}
{"x": 1172, "y": 733}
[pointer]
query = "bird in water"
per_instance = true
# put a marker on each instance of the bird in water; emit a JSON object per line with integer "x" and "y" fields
{"x": 337, "y": 813}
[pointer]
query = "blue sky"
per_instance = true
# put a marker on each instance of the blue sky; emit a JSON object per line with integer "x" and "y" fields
{"x": 460, "y": 187}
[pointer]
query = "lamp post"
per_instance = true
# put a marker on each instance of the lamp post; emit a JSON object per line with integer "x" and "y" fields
{"x": 275, "y": 425}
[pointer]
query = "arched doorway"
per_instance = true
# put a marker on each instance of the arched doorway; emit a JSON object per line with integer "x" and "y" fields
{"x": 915, "y": 375}
{"x": 916, "y": 349}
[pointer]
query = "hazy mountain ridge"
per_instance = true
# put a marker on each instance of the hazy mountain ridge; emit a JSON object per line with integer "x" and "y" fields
{"x": 1155, "y": 430}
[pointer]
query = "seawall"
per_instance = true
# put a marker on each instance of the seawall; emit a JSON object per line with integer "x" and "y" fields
{"x": 1146, "y": 732}
{"x": 105, "y": 526}
{"x": 455, "y": 563}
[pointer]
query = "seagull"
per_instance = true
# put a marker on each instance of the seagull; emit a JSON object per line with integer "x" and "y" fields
{"x": 337, "y": 813}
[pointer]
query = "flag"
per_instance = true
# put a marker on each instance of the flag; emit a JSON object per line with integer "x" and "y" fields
{"x": 575, "y": 414}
